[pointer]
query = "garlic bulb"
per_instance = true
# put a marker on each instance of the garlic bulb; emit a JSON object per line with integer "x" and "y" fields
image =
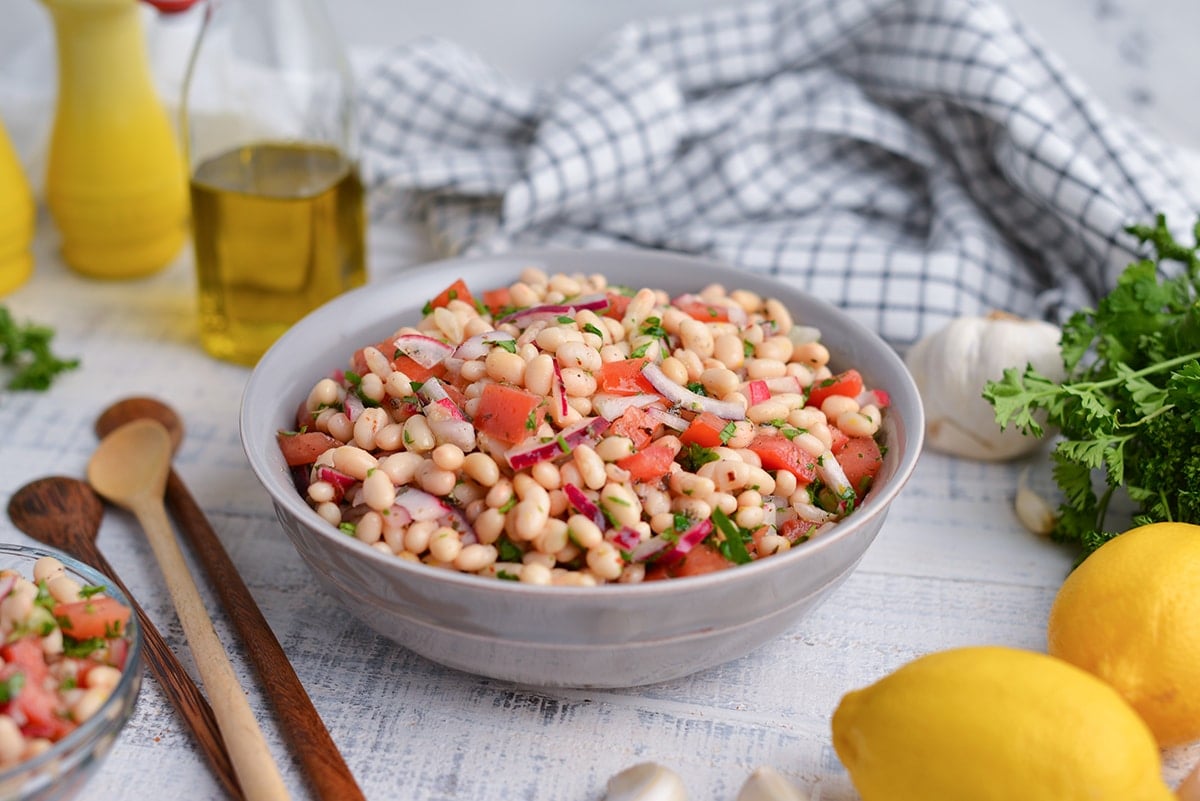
{"x": 951, "y": 366}
{"x": 768, "y": 784}
{"x": 647, "y": 781}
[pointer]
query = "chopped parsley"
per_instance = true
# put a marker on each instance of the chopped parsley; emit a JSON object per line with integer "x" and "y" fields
{"x": 509, "y": 345}
{"x": 698, "y": 388}
{"x": 733, "y": 546}
{"x": 747, "y": 348}
{"x": 531, "y": 422}
{"x": 509, "y": 504}
{"x": 504, "y": 575}
{"x": 348, "y": 529}
{"x": 566, "y": 320}
{"x": 508, "y": 550}
{"x": 10, "y": 688}
{"x": 641, "y": 349}
{"x": 25, "y": 348}
{"x": 562, "y": 443}
{"x": 693, "y": 456}
{"x": 588, "y": 328}
{"x": 727, "y": 432}
{"x": 81, "y": 648}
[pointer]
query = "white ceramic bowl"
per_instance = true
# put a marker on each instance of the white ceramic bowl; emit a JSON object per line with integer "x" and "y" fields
{"x": 609, "y": 636}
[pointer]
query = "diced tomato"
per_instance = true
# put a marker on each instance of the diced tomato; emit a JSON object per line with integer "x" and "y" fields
{"x": 93, "y": 617}
{"x": 497, "y": 299}
{"x": 848, "y": 383}
{"x": 648, "y": 464}
{"x": 399, "y": 361}
{"x": 704, "y": 430}
{"x": 624, "y": 378}
{"x": 456, "y": 291}
{"x": 840, "y": 439}
{"x": 304, "y": 448}
{"x": 637, "y": 425}
{"x": 704, "y": 312}
{"x": 509, "y": 414}
{"x": 617, "y": 304}
{"x": 26, "y": 655}
{"x": 703, "y": 558}
{"x": 455, "y": 394}
{"x": 795, "y": 530}
{"x": 860, "y": 460}
{"x": 777, "y": 452}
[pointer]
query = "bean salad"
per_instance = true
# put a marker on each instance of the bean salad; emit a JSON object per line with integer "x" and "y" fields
{"x": 64, "y": 649}
{"x": 563, "y": 431}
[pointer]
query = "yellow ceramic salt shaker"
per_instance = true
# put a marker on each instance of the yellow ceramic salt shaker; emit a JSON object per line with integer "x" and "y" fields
{"x": 16, "y": 219}
{"x": 116, "y": 185}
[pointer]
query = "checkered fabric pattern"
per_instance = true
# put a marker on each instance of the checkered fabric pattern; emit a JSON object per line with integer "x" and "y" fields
{"x": 909, "y": 161}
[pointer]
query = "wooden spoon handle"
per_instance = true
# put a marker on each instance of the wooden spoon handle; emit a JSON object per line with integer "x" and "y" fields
{"x": 178, "y": 687}
{"x": 256, "y": 769}
{"x": 322, "y": 761}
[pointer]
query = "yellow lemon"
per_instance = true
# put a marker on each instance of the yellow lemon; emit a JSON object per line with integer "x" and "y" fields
{"x": 1130, "y": 614}
{"x": 995, "y": 724}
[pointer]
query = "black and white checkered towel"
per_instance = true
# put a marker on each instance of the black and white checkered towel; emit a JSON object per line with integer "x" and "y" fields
{"x": 908, "y": 160}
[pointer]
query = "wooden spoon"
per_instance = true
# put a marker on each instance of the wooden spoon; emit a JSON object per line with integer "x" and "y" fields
{"x": 130, "y": 470}
{"x": 301, "y": 723}
{"x": 65, "y": 513}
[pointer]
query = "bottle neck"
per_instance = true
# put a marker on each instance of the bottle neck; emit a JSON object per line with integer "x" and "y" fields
{"x": 101, "y": 51}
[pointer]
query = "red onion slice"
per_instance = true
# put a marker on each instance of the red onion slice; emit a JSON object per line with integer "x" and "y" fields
{"x": 757, "y": 392}
{"x": 478, "y": 346}
{"x": 352, "y": 406}
{"x": 592, "y": 302}
{"x": 337, "y": 478}
{"x": 533, "y": 451}
{"x": 831, "y": 472}
{"x": 561, "y": 388}
{"x": 686, "y": 542}
{"x": 672, "y": 421}
{"x": 684, "y": 397}
{"x": 420, "y": 505}
{"x": 584, "y": 505}
{"x": 425, "y": 351}
{"x": 610, "y": 407}
{"x": 626, "y": 538}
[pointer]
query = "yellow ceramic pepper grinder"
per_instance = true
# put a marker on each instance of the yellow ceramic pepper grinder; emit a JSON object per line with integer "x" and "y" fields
{"x": 116, "y": 185}
{"x": 16, "y": 219}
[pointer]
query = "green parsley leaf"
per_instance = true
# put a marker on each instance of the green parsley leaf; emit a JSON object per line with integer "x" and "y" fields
{"x": 25, "y": 350}
{"x": 508, "y": 551}
{"x": 733, "y": 546}
{"x": 641, "y": 349}
{"x": 566, "y": 320}
{"x": 89, "y": 590}
{"x": 10, "y": 688}
{"x": 726, "y": 433}
{"x": 697, "y": 387}
{"x": 509, "y": 345}
{"x": 747, "y": 349}
{"x": 693, "y": 456}
{"x": 588, "y": 328}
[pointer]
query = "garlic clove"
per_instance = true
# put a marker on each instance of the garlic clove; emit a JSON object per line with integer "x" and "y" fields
{"x": 647, "y": 781}
{"x": 768, "y": 784}
{"x": 1035, "y": 512}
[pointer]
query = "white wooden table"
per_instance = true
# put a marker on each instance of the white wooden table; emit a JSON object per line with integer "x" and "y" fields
{"x": 951, "y": 567}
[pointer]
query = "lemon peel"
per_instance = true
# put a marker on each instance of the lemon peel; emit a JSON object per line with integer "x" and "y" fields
{"x": 990, "y": 723}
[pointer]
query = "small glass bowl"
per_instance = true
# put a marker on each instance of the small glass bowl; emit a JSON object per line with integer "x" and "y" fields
{"x": 61, "y": 771}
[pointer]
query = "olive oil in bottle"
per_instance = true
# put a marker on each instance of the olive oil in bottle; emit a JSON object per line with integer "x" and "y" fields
{"x": 279, "y": 230}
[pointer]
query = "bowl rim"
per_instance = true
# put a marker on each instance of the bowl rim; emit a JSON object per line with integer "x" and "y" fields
{"x": 291, "y": 500}
{"x": 91, "y": 728}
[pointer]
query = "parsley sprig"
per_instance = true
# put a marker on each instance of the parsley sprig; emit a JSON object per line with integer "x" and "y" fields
{"x": 25, "y": 351}
{"x": 1129, "y": 408}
